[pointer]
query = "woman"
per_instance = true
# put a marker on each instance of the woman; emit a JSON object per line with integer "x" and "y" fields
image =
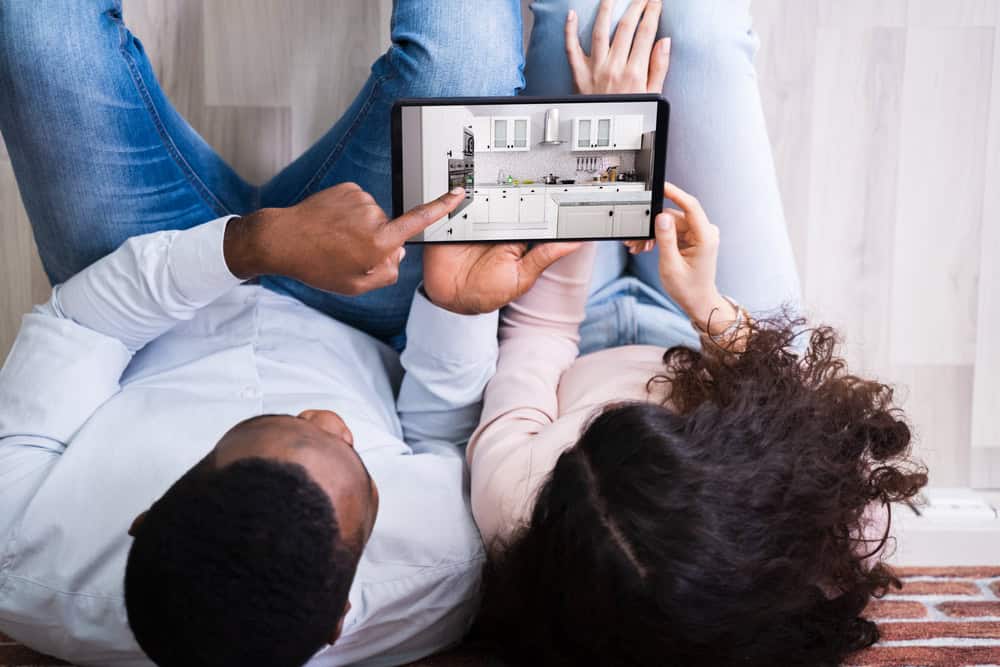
{"x": 716, "y": 498}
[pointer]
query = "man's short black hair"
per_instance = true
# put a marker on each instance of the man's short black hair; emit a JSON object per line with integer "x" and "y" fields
{"x": 243, "y": 565}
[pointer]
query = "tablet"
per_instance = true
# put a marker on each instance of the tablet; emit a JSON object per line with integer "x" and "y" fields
{"x": 587, "y": 167}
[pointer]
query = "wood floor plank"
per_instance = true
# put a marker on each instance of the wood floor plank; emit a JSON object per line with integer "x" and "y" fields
{"x": 855, "y": 147}
{"x": 328, "y": 73}
{"x": 22, "y": 282}
{"x": 860, "y": 13}
{"x": 255, "y": 141}
{"x": 248, "y": 46}
{"x": 937, "y": 401}
{"x": 940, "y": 195}
{"x": 986, "y": 390}
{"x": 953, "y": 13}
{"x": 786, "y": 67}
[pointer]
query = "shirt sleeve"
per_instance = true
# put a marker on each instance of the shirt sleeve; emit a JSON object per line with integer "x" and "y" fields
{"x": 70, "y": 353}
{"x": 539, "y": 340}
{"x": 448, "y": 360}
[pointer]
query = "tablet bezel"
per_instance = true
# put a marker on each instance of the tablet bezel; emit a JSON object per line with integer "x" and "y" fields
{"x": 660, "y": 151}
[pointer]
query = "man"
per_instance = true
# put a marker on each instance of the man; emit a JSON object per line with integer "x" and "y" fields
{"x": 298, "y": 527}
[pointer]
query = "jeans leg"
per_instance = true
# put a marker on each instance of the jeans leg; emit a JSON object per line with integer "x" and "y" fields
{"x": 718, "y": 147}
{"x": 446, "y": 48}
{"x": 99, "y": 153}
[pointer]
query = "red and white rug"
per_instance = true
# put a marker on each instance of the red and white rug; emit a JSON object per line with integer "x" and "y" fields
{"x": 943, "y": 617}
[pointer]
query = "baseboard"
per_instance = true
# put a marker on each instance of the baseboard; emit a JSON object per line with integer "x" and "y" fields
{"x": 954, "y": 527}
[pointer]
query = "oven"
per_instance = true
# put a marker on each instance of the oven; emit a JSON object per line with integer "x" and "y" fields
{"x": 461, "y": 173}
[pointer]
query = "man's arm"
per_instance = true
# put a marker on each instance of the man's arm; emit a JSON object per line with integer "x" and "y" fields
{"x": 70, "y": 353}
{"x": 448, "y": 360}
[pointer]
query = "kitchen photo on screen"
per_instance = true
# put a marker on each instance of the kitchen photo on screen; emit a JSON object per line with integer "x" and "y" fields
{"x": 532, "y": 171}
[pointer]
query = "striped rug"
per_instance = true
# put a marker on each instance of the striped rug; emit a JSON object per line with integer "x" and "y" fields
{"x": 943, "y": 617}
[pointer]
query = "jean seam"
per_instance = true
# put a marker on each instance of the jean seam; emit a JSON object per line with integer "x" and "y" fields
{"x": 203, "y": 191}
{"x": 338, "y": 148}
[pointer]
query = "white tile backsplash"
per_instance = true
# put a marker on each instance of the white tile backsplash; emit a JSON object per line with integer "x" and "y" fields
{"x": 543, "y": 160}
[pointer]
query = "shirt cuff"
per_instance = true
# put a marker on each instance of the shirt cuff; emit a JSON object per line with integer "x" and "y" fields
{"x": 197, "y": 262}
{"x": 432, "y": 330}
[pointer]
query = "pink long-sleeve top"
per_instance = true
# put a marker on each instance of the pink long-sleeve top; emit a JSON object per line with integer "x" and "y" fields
{"x": 543, "y": 395}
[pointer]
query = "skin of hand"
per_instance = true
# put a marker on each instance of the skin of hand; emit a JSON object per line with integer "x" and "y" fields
{"x": 479, "y": 278}
{"x": 635, "y": 62}
{"x": 338, "y": 240}
{"x": 689, "y": 252}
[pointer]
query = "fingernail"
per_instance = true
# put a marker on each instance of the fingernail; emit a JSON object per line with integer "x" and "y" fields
{"x": 458, "y": 191}
{"x": 571, "y": 16}
{"x": 665, "y": 45}
{"x": 664, "y": 222}
{"x": 402, "y": 254}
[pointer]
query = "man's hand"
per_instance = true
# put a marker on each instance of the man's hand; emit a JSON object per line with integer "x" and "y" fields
{"x": 338, "y": 240}
{"x": 478, "y": 278}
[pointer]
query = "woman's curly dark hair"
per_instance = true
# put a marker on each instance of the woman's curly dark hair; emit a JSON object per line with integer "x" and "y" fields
{"x": 726, "y": 526}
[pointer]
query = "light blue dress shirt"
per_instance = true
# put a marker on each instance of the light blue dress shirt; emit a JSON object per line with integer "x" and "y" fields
{"x": 138, "y": 365}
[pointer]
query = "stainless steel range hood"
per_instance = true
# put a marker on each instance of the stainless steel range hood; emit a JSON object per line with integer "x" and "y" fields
{"x": 551, "y": 137}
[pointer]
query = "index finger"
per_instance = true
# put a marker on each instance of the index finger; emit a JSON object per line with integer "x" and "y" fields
{"x": 421, "y": 217}
{"x": 695, "y": 215}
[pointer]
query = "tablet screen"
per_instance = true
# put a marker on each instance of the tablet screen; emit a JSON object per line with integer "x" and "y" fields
{"x": 568, "y": 169}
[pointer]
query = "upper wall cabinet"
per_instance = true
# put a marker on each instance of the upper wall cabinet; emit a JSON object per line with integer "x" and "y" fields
{"x": 500, "y": 134}
{"x": 607, "y": 133}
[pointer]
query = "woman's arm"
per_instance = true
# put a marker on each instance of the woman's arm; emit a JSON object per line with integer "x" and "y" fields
{"x": 539, "y": 337}
{"x": 689, "y": 252}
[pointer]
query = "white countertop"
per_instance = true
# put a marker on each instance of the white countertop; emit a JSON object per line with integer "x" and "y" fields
{"x": 602, "y": 198}
{"x": 595, "y": 185}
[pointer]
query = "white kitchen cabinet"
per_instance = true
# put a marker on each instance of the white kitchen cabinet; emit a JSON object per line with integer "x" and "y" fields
{"x": 532, "y": 209}
{"x": 477, "y": 211}
{"x": 503, "y": 208}
{"x": 482, "y": 130}
{"x": 631, "y": 220}
{"x": 594, "y": 133}
{"x": 628, "y": 132}
{"x": 509, "y": 134}
{"x": 608, "y": 133}
{"x": 585, "y": 221}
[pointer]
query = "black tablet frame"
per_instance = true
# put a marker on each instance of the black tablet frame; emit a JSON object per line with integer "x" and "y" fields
{"x": 660, "y": 150}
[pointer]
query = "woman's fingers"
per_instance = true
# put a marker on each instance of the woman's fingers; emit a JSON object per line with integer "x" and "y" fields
{"x": 601, "y": 37}
{"x": 659, "y": 64}
{"x": 625, "y": 34}
{"x": 666, "y": 240}
{"x": 698, "y": 226}
{"x": 645, "y": 35}
{"x": 577, "y": 59}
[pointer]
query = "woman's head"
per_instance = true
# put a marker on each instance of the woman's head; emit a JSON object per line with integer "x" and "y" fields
{"x": 727, "y": 527}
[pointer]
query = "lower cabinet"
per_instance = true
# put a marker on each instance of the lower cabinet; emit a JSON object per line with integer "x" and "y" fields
{"x": 582, "y": 222}
{"x": 532, "y": 209}
{"x": 503, "y": 208}
{"x": 631, "y": 220}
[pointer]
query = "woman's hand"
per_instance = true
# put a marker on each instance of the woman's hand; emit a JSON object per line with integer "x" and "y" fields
{"x": 634, "y": 63}
{"x": 689, "y": 251}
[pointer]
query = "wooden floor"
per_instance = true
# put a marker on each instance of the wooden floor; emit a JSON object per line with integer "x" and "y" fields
{"x": 884, "y": 114}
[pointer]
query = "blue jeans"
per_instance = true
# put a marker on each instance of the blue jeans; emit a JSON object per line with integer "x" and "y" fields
{"x": 718, "y": 151}
{"x": 101, "y": 155}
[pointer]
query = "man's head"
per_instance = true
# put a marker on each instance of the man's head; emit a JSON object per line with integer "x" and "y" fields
{"x": 249, "y": 557}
